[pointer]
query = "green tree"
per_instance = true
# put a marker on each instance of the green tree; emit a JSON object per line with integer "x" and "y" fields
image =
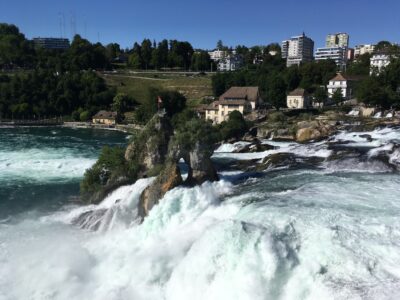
{"x": 361, "y": 66}
{"x": 337, "y": 96}
{"x": 201, "y": 61}
{"x": 276, "y": 92}
{"x": 373, "y": 91}
{"x": 123, "y": 103}
{"x": 320, "y": 95}
{"x": 146, "y": 52}
{"x": 134, "y": 61}
{"x": 235, "y": 127}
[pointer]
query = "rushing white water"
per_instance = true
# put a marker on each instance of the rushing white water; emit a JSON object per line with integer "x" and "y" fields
{"x": 326, "y": 233}
{"x": 43, "y": 164}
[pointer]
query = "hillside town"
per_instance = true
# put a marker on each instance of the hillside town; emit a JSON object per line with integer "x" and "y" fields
{"x": 255, "y": 81}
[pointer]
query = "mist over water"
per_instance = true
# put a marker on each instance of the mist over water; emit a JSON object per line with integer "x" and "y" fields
{"x": 327, "y": 232}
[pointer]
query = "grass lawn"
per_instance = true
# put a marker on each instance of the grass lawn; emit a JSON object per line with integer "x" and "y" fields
{"x": 194, "y": 87}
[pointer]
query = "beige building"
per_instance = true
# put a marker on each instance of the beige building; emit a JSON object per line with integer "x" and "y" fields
{"x": 242, "y": 99}
{"x": 105, "y": 117}
{"x": 298, "y": 99}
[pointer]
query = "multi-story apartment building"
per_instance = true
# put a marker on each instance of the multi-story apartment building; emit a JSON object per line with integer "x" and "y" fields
{"x": 297, "y": 50}
{"x": 338, "y": 54}
{"x": 51, "y": 43}
{"x": 285, "y": 49}
{"x": 362, "y": 49}
{"x": 337, "y": 40}
{"x": 336, "y": 46}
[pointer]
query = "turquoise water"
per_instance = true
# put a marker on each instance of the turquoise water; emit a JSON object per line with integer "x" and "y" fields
{"x": 40, "y": 168}
{"x": 329, "y": 229}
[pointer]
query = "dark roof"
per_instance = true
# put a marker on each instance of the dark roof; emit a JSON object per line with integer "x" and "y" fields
{"x": 249, "y": 93}
{"x": 201, "y": 107}
{"x": 233, "y": 102}
{"x": 213, "y": 106}
{"x": 103, "y": 114}
{"x": 298, "y": 92}
{"x": 341, "y": 77}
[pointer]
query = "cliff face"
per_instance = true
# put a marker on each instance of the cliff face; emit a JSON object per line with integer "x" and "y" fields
{"x": 200, "y": 169}
{"x": 150, "y": 148}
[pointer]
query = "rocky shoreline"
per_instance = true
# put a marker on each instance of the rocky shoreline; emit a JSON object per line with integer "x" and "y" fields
{"x": 158, "y": 148}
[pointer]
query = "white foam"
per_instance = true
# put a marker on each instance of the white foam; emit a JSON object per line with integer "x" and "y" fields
{"x": 226, "y": 148}
{"x": 302, "y": 150}
{"x": 43, "y": 164}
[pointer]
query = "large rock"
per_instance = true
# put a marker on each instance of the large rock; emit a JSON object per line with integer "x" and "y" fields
{"x": 313, "y": 130}
{"x": 307, "y": 134}
{"x": 169, "y": 178}
{"x": 201, "y": 168}
{"x": 150, "y": 148}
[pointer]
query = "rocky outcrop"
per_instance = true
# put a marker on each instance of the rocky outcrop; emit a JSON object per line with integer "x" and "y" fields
{"x": 150, "y": 147}
{"x": 155, "y": 152}
{"x": 313, "y": 130}
{"x": 200, "y": 169}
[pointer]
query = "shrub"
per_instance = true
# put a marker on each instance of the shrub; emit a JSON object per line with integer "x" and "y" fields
{"x": 277, "y": 117}
{"x": 110, "y": 165}
{"x": 84, "y": 116}
{"x": 235, "y": 127}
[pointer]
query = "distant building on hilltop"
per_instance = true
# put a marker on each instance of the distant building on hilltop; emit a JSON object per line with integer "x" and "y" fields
{"x": 230, "y": 63}
{"x": 242, "y": 99}
{"x": 217, "y": 54}
{"x": 297, "y": 50}
{"x": 337, "y": 54}
{"x": 336, "y": 47}
{"x": 379, "y": 61}
{"x": 337, "y": 40}
{"x": 51, "y": 43}
{"x": 362, "y": 49}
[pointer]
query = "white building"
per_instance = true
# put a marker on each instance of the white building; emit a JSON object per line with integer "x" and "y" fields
{"x": 230, "y": 63}
{"x": 362, "y": 49}
{"x": 217, "y": 55}
{"x": 338, "y": 54}
{"x": 378, "y": 62}
{"x": 298, "y": 99}
{"x": 345, "y": 83}
{"x": 297, "y": 50}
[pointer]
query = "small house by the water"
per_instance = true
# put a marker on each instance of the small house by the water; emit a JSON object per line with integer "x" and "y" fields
{"x": 298, "y": 99}
{"x": 105, "y": 117}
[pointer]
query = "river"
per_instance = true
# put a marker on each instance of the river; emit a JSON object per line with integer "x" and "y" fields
{"x": 327, "y": 226}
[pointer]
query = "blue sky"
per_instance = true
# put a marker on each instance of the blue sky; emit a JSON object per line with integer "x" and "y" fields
{"x": 203, "y": 22}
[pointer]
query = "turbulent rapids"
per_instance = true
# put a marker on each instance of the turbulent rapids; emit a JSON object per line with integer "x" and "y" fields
{"x": 319, "y": 221}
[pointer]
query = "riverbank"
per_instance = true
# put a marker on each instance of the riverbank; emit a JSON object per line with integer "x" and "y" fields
{"x": 127, "y": 128}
